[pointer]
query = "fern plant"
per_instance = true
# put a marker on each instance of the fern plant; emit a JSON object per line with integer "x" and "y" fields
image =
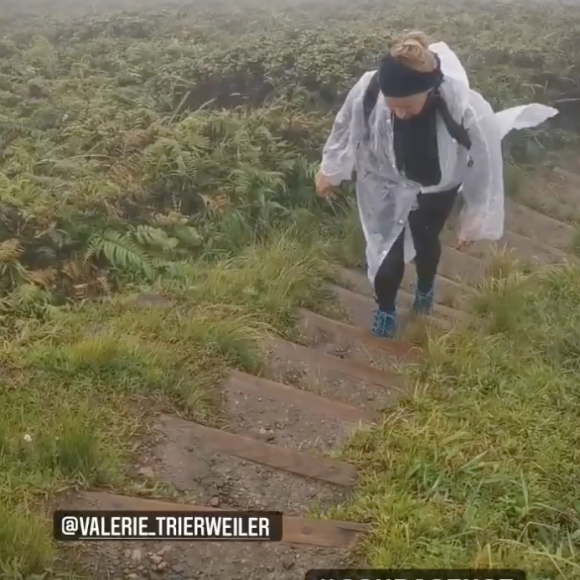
{"x": 121, "y": 251}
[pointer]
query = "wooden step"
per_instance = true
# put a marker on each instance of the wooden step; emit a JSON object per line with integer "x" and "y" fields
{"x": 551, "y": 206}
{"x": 361, "y": 309}
{"x": 389, "y": 380}
{"x": 440, "y": 311}
{"x": 447, "y": 292}
{"x": 523, "y": 249}
{"x": 551, "y": 193}
{"x": 295, "y": 530}
{"x": 538, "y": 226}
{"x": 461, "y": 267}
{"x": 310, "y": 401}
{"x": 534, "y": 250}
{"x": 406, "y": 300}
{"x": 569, "y": 175}
{"x": 274, "y": 456}
{"x": 402, "y": 351}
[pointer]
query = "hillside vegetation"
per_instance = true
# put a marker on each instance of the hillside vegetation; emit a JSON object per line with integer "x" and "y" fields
{"x": 174, "y": 152}
{"x": 123, "y": 136}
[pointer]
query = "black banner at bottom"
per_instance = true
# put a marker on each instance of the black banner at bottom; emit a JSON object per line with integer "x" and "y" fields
{"x": 445, "y": 574}
{"x": 164, "y": 526}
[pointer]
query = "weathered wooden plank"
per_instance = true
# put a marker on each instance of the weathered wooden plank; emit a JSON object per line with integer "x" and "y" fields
{"x": 447, "y": 292}
{"x": 361, "y": 309}
{"x": 442, "y": 315}
{"x": 314, "y": 403}
{"x": 274, "y": 456}
{"x": 390, "y": 380}
{"x": 538, "y": 226}
{"x": 295, "y": 530}
{"x": 461, "y": 267}
{"x": 404, "y": 351}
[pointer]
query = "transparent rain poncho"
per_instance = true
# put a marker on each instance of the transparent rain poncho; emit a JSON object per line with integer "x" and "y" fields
{"x": 385, "y": 197}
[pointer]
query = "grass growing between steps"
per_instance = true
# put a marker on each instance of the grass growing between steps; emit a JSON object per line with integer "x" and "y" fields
{"x": 72, "y": 383}
{"x": 482, "y": 467}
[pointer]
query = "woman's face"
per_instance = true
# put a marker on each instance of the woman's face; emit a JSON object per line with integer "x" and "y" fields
{"x": 407, "y": 107}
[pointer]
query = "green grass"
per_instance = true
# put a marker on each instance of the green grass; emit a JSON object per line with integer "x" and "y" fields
{"x": 481, "y": 466}
{"x": 72, "y": 384}
{"x": 576, "y": 242}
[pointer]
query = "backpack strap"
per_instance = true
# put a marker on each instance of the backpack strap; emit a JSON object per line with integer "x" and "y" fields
{"x": 370, "y": 98}
{"x": 455, "y": 129}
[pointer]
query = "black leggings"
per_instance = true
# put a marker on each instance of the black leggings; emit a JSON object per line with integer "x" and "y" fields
{"x": 426, "y": 223}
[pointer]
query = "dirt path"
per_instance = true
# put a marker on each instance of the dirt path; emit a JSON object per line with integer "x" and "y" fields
{"x": 271, "y": 447}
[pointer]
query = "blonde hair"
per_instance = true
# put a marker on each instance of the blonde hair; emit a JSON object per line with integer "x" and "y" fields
{"x": 412, "y": 50}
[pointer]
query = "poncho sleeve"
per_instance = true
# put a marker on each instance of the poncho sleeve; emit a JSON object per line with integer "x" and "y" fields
{"x": 482, "y": 216}
{"x": 338, "y": 155}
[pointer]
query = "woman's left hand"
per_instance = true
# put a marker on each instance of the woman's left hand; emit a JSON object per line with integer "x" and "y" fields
{"x": 323, "y": 186}
{"x": 470, "y": 229}
{"x": 460, "y": 244}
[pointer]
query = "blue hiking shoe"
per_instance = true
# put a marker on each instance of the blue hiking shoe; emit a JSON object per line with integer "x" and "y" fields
{"x": 385, "y": 324}
{"x": 423, "y": 304}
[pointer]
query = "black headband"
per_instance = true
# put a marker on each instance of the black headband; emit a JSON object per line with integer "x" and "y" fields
{"x": 399, "y": 81}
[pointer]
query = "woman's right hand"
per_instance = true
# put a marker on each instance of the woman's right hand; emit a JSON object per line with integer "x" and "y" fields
{"x": 323, "y": 186}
